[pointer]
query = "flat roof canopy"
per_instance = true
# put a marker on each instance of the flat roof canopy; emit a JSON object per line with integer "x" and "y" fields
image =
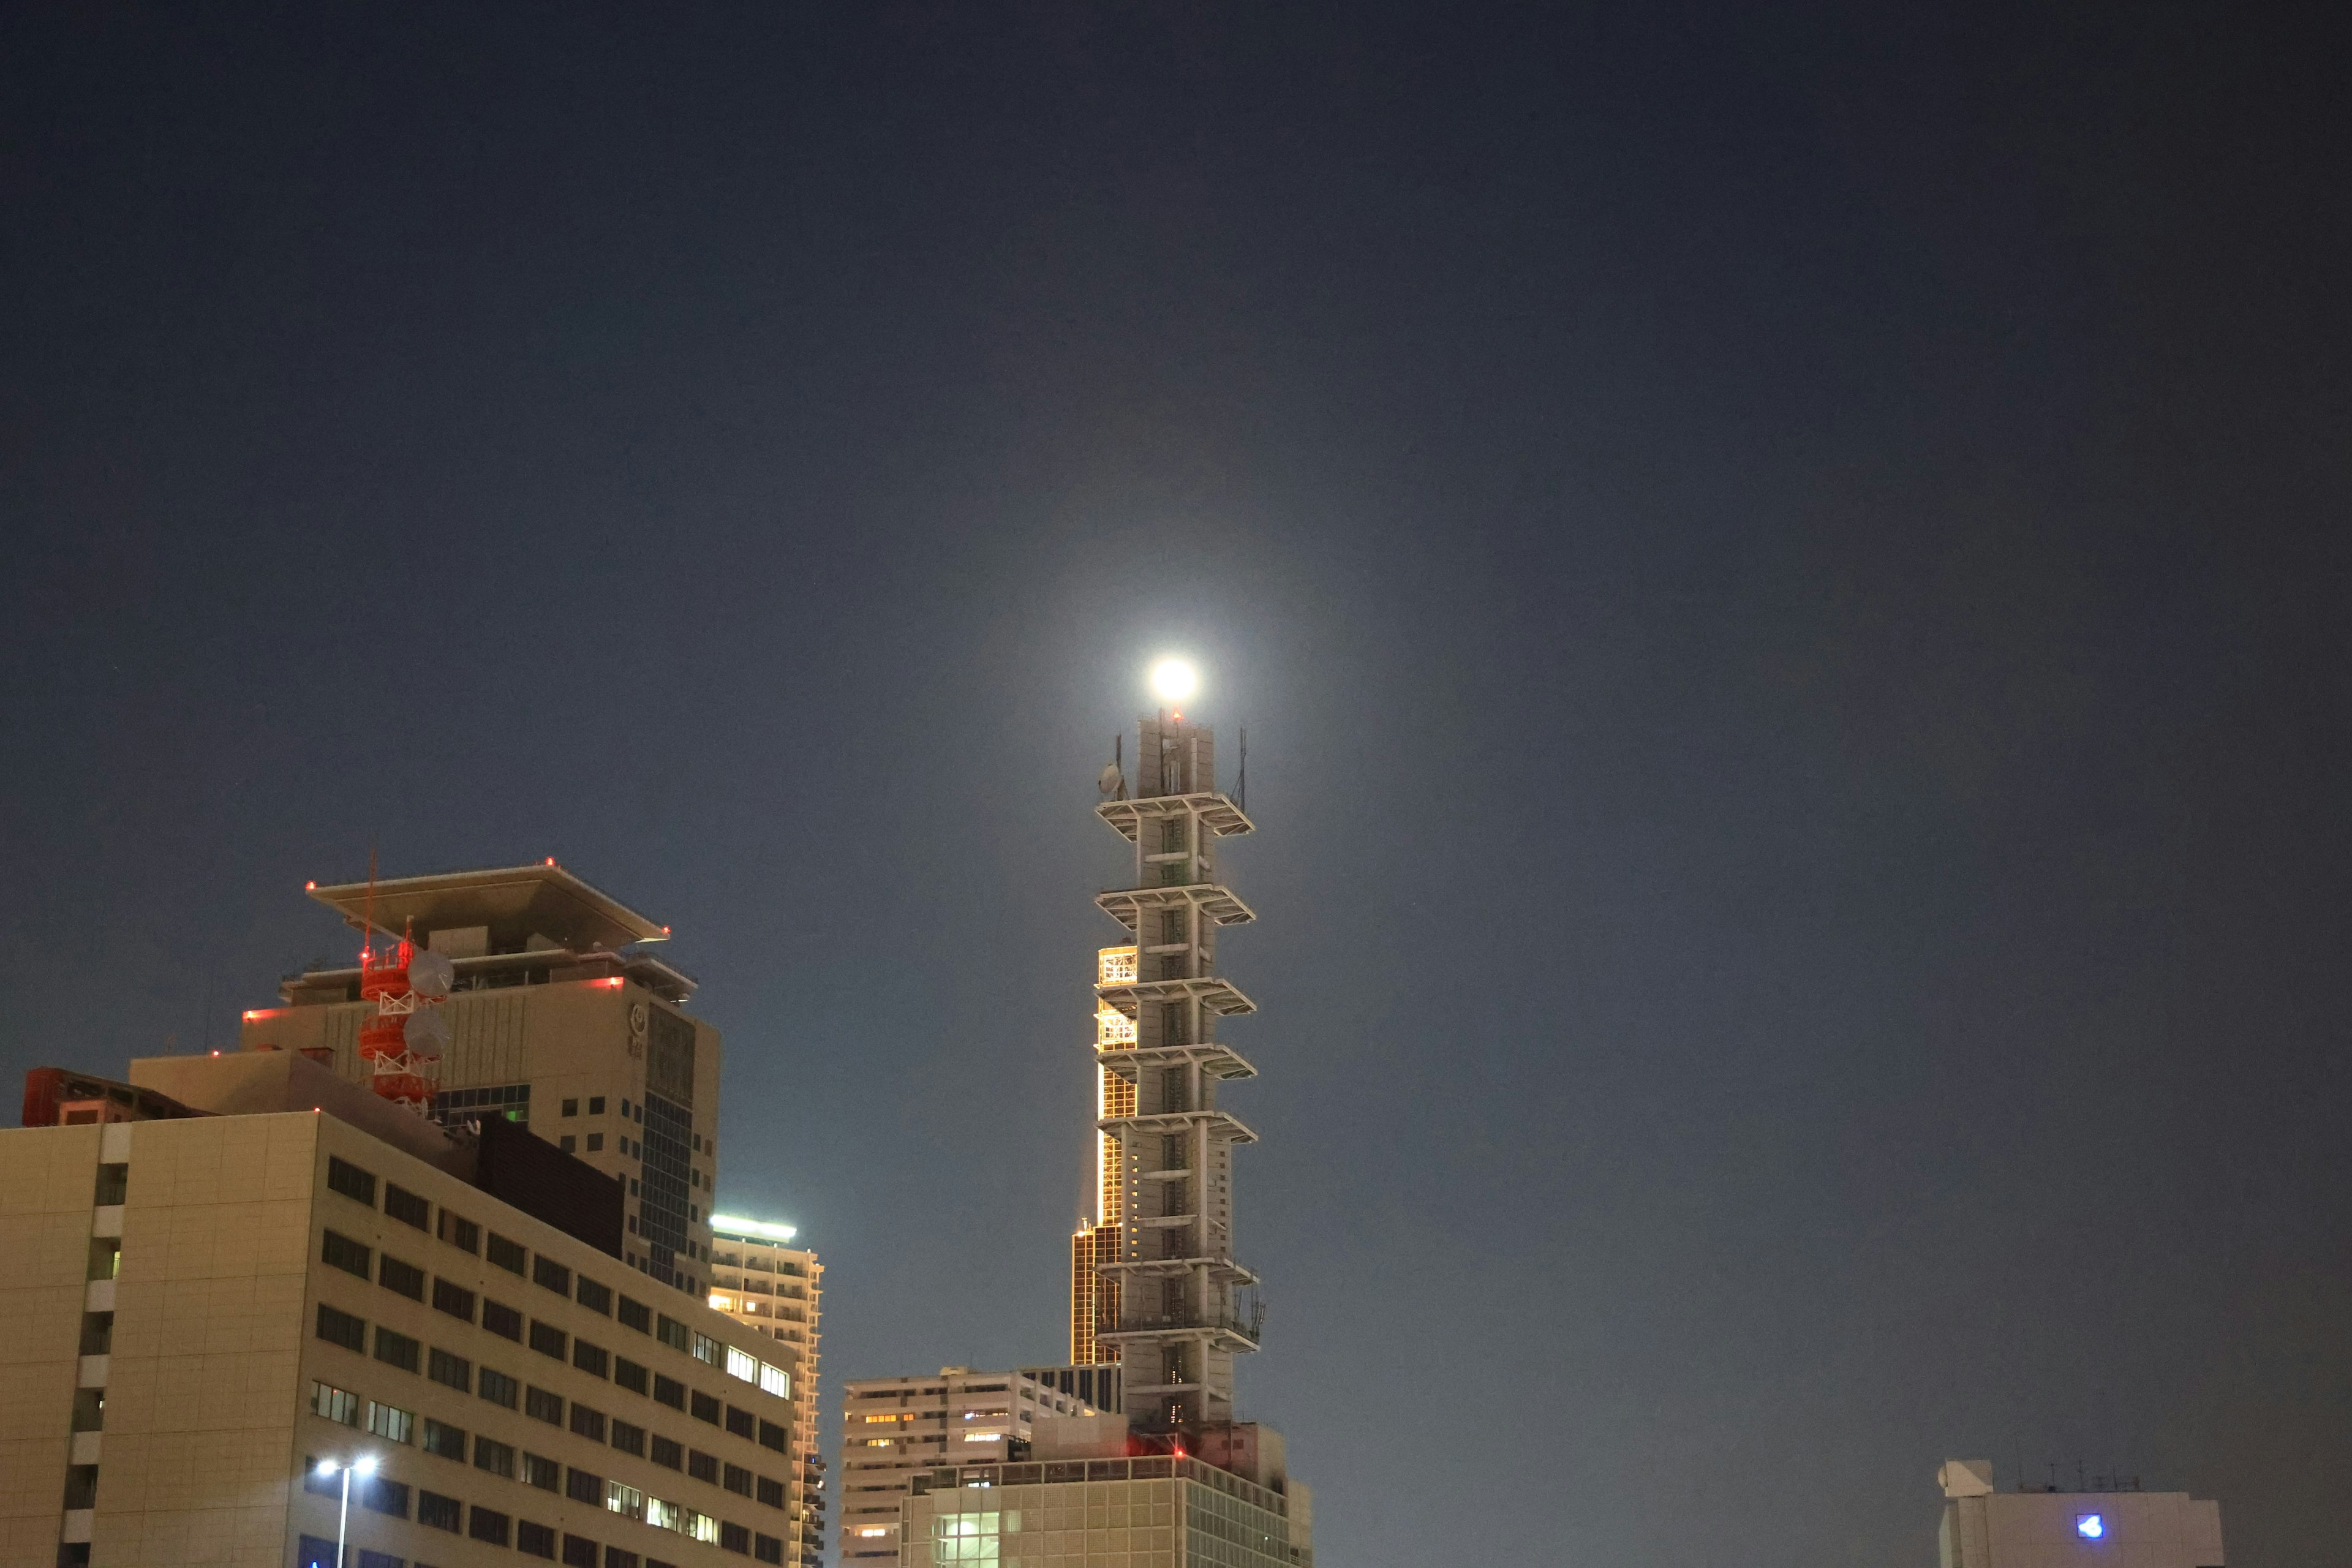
{"x": 515, "y": 903}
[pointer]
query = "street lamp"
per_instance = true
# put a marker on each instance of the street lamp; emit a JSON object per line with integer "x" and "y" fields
{"x": 364, "y": 1466}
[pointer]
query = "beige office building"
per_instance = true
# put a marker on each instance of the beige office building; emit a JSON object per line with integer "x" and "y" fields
{"x": 560, "y": 1018}
{"x": 770, "y": 1287}
{"x": 206, "y": 1302}
{"x": 896, "y": 1428}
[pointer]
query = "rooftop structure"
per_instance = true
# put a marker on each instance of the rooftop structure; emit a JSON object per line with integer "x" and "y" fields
{"x": 2121, "y": 1528}
{"x": 555, "y": 1018}
{"x": 1154, "y": 1283}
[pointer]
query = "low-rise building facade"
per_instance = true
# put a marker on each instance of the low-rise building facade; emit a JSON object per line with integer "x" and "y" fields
{"x": 205, "y": 1307}
{"x": 894, "y": 1428}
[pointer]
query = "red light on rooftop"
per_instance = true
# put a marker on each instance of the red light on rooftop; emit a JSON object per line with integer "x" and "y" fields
{"x": 615, "y": 982}
{"x": 310, "y": 887}
{"x": 550, "y": 859}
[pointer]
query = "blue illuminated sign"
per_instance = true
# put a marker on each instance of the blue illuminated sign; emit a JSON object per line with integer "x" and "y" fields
{"x": 2090, "y": 1526}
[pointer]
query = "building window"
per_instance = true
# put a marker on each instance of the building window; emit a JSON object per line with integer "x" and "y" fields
{"x": 390, "y": 1422}
{"x": 771, "y": 1492}
{"x": 498, "y": 1387}
{"x": 335, "y": 1404}
{"x": 455, "y": 1371}
{"x": 668, "y": 1391}
{"x": 510, "y": 1256}
{"x": 460, "y": 1232}
{"x": 453, "y": 1299}
{"x": 351, "y": 1180}
{"x": 404, "y": 1277}
{"x": 579, "y": 1551}
{"x": 582, "y": 1487}
{"x": 488, "y": 1524}
{"x": 596, "y": 1105}
{"x": 535, "y": 1539}
{"x": 540, "y": 1472}
{"x": 668, "y": 1454}
{"x": 774, "y": 1436}
{"x": 625, "y": 1501}
{"x": 734, "y": 1538}
{"x": 406, "y": 1206}
{"x": 595, "y": 1143}
{"x": 595, "y": 1297}
{"x": 338, "y": 1328}
{"x": 568, "y": 1143}
{"x": 571, "y": 1108}
{"x": 498, "y": 1458}
{"x": 588, "y": 1423}
{"x": 545, "y": 1271}
{"x": 629, "y": 1440}
{"x": 629, "y": 1374}
{"x": 501, "y": 1319}
{"x": 702, "y": 1467}
{"x": 397, "y": 1350}
{"x": 444, "y": 1441}
{"x": 768, "y": 1549}
{"x": 351, "y": 1256}
{"x": 637, "y": 1315}
{"x": 590, "y": 1358}
{"x": 737, "y": 1480}
{"x": 438, "y": 1511}
{"x": 705, "y": 1407}
{"x": 541, "y": 1405}
{"x": 383, "y": 1495}
{"x": 741, "y": 1422}
{"x": 547, "y": 1339}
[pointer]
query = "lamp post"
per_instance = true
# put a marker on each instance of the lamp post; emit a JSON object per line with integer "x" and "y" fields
{"x": 366, "y": 1467}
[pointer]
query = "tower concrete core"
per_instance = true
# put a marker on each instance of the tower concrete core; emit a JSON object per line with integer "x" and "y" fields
{"x": 1154, "y": 1284}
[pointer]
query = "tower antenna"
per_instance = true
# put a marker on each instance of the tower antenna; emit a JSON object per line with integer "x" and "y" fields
{"x": 1241, "y": 783}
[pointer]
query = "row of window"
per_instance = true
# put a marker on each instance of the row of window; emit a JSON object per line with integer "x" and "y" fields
{"x": 452, "y": 1371}
{"x": 411, "y": 1208}
{"x": 384, "y": 1495}
{"x": 494, "y": 1528}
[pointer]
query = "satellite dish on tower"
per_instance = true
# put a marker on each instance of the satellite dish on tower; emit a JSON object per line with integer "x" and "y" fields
{"x": 427, "y": 1032}
{"x": 1108, "y": 784}
{"x": 430, "y": 974}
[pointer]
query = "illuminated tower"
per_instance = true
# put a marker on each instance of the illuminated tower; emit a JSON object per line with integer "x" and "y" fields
{"x": 1154, "y": 1283}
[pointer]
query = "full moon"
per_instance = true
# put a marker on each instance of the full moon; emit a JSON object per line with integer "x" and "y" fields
{"x": 1173, "y": 680}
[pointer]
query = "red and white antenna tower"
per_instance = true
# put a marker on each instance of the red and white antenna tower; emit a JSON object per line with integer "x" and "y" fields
{"x": 402, "y": 1038}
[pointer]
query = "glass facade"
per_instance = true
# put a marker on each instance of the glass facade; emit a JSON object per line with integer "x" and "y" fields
{"x": 1196, "y": 1517}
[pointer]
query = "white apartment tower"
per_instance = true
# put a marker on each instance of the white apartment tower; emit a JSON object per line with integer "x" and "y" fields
{"x": 1154, "y": 1282}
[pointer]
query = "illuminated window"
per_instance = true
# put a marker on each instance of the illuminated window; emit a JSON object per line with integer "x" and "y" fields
{"x": 877, "y": 1442}
{"x": 742, "y": 1365}
{"x": 1115, "y": 966}
{"x": 776, "y": 1380}
{"x": 701, "y": 1527}
{"x": 872, "y": 1530}
{"x": 981, "y": 1437}
{"x": 1113, "y": 1031}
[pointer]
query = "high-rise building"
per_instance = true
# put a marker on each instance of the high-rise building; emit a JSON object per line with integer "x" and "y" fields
{"x": 894, "y": 1428}
{"x": 761, "y": 1281}
{"x": 2095, "y": 1527}
{"x": 1154, "y": 1283}
{"x": 235, "y": 1268}
{"x": 560, "y": 1018}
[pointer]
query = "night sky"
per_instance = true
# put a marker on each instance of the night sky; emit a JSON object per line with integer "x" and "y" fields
{"x": 1785, "y": 570}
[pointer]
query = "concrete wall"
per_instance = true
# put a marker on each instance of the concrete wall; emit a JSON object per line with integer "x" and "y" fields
{"x": 48, "y": 1178}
